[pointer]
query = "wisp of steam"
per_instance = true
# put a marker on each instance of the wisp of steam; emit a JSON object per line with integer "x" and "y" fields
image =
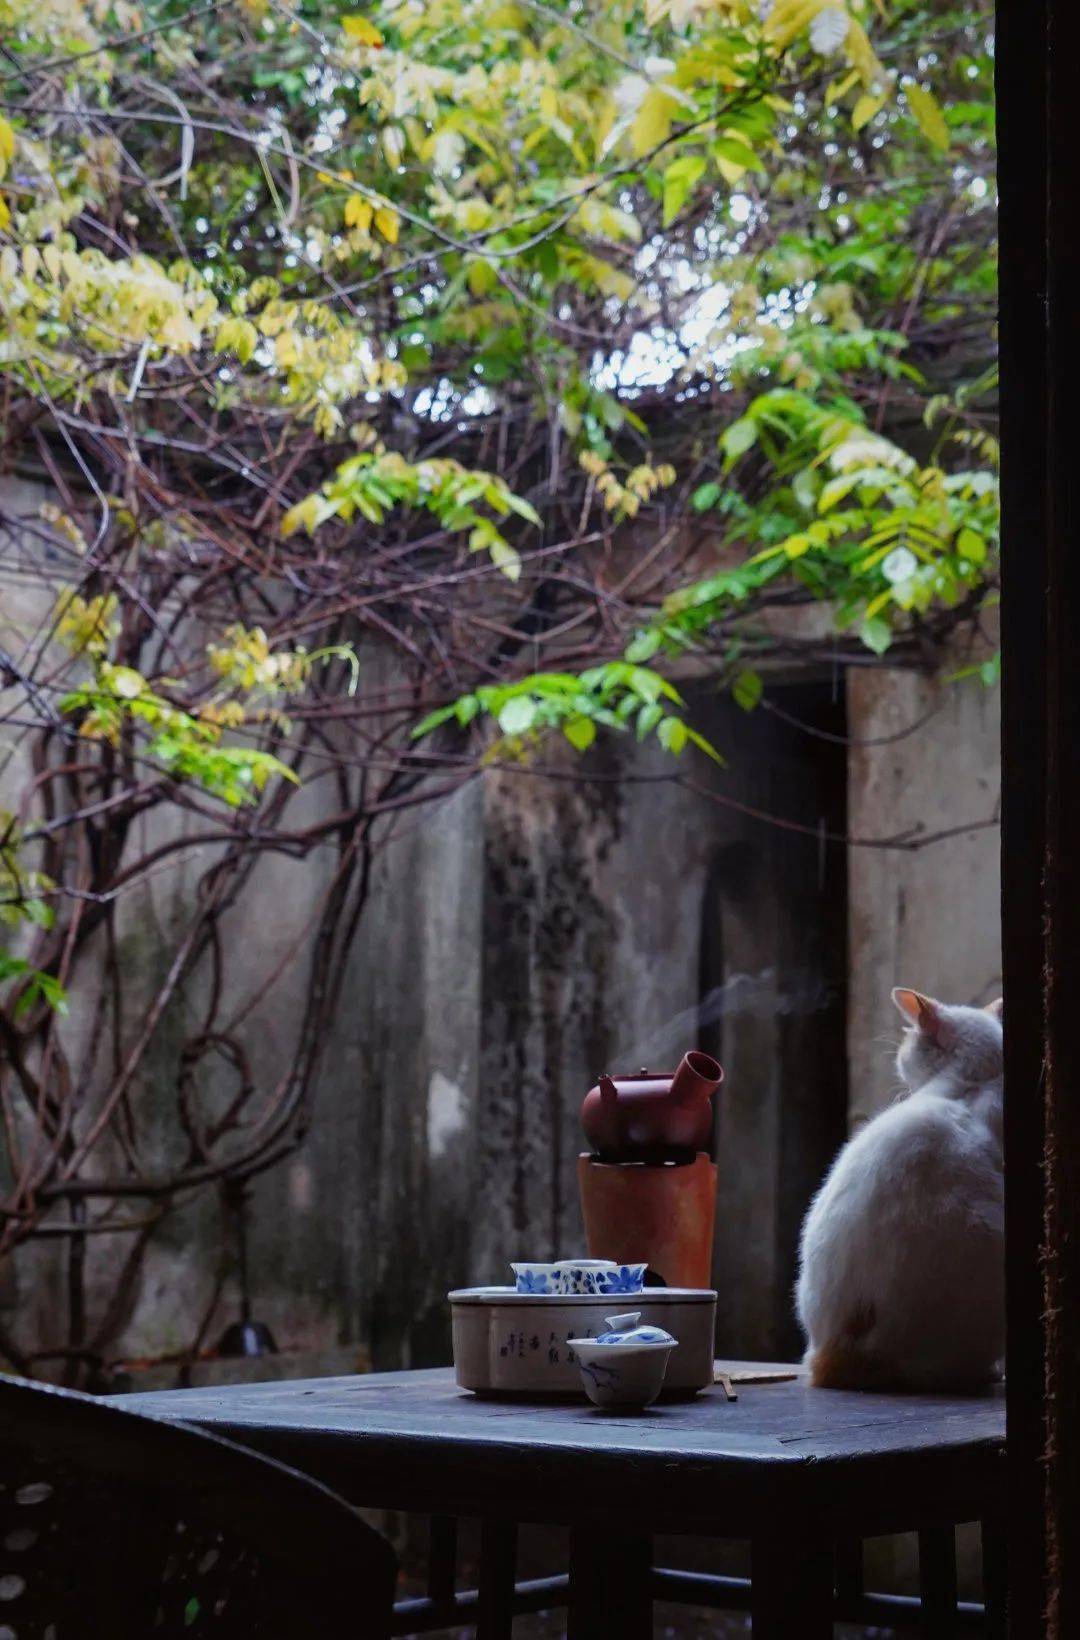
{"x": 765, "y": 995}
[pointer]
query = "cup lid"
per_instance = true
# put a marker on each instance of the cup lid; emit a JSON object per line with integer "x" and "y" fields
{"x": 625, "y": 1330}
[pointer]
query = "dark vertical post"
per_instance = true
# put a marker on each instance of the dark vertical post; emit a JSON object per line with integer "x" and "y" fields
{"x": 1039, "y": 128}
{"x": 498, "y": 1557}
{"x": 1022, "y": 174}
{"x": 791, "y": 1591}
{"x": 849, "y": 1575}
{"x": 610, "y": 1586}
{"x": 585, "y": 1607}
{"x": 1061, "y": 1309}
{"x": 995, "y": 1567}
{"x": 442, "y": 1559}
{"x": 937, "y": 1582}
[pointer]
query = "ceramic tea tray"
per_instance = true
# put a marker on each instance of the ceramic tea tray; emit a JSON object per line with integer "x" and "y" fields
{"x": 511, "y": 1343}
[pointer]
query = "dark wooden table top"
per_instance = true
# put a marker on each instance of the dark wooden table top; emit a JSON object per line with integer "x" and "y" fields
{"x": 414, "y": 1441}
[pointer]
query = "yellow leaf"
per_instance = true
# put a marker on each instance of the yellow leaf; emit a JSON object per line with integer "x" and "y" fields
{"x": 876, "y": 605}
{"x": 505, "y": 558}
{"x": 840, "y": 88}
{"x": 361, "y": 32}
{"x": 861, "y": 56}
{"x": 307, "y": 514}
{"x": 481, "y": 277}
{"x": 7, "y": 140}
{"x": 393, "y": 141}
{"x": 653, "y": 123}
{"x": 238, "y": 336}
{"x": 928, "y": 116}
{"x": 788, "y": 18}
{"x": 358, "y": 213}
{"x": 5, "y": 214}
{"x": 287, "y": 349}
{"x": 387, "y": 222}
{"x": 865, "y": 109}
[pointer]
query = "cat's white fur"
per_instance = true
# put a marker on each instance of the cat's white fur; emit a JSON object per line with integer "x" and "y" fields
{"x": 902, "y": 1274}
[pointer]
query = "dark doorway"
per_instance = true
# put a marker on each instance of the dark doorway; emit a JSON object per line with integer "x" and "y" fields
{"x": 773, "y": 992}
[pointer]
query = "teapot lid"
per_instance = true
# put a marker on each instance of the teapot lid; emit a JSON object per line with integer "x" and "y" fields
{"x": 625, "y": 1330}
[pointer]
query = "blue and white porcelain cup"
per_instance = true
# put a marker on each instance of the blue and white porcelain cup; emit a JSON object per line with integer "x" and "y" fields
{"x": 624, "y": 1367}
{"x": 536, "y": 1278}
{"x": 584, "y": 1275}
{"x": 625, "y": 1278}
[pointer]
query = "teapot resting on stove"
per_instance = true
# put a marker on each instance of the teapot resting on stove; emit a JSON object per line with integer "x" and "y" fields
{"x": 653, "y": 1113}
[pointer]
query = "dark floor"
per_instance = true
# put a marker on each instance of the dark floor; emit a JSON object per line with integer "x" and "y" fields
{"x": 890, "y": 1564}
{"x": 669, "y": 1623}
{"x": 543, "y": 1551}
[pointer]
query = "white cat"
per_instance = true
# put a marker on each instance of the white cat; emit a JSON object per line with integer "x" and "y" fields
{"x": 902, "y": 1267}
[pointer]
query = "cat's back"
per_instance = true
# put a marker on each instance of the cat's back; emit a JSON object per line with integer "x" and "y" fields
{"x": 901, "y": 1274}
{"x": 925, "y": 1149}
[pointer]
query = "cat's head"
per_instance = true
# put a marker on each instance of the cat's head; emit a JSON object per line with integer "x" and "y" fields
{"x": 943, "y": 1037}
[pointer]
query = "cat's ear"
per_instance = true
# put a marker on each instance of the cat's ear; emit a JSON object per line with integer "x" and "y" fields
{"x": 922, "y": 1011}
{"x": 995, "y": 1008}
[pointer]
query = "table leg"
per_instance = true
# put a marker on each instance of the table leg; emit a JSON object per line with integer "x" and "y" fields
{"x": 791, "y": 1592}
{"x": 995, "y": 1577}
{"x": 610, "y": 1586}
{"x": 498, "y": 1560}
{"x": 937, "y": 1582}
{"x": 442, "y": 1559}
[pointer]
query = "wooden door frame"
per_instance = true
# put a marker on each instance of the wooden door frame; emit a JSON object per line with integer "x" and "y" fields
{"x": 1038, "y": 98}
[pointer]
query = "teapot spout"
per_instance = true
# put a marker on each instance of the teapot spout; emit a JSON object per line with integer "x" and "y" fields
{"x": 697, "y": 1078}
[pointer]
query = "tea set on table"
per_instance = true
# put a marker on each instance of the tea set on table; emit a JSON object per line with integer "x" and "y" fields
{"x": 648, "y": 1187}
{"x": 555, "y": 1333}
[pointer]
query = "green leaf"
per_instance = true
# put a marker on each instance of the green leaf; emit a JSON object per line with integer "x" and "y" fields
{"x": 970, "y": 545}
{"x": 734, "y": 158}
{"x": 433, "y": 720}
{"x": 876, "y": 634}
{"x": 705, "y": 746}
{"x": 804, "y": 488}
{"x": 705, "y": 496}
{"x": 737, "y": 438}
{"x": 523, "y": 508}
{"x": 518, "y": 715}
{"x": 680, "y": 179}
{"x": 580, "y": 732}
{"x": 647, "y": 719}
{"x": 747, "y": 689}
{"x": 672, "y": 734}
{"x": 643, "y": 646}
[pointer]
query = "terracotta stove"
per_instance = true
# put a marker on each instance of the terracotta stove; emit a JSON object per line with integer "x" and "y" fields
{"x": 648, "y": 1186}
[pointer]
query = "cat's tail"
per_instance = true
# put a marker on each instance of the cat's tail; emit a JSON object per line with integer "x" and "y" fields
{"x": 843, "y": 1361}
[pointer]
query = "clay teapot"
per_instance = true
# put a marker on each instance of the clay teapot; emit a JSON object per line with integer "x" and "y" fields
{"x": 654, "y": 1111}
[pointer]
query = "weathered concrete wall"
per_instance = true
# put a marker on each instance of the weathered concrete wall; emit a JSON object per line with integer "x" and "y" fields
{"x": 928, "y": 918}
